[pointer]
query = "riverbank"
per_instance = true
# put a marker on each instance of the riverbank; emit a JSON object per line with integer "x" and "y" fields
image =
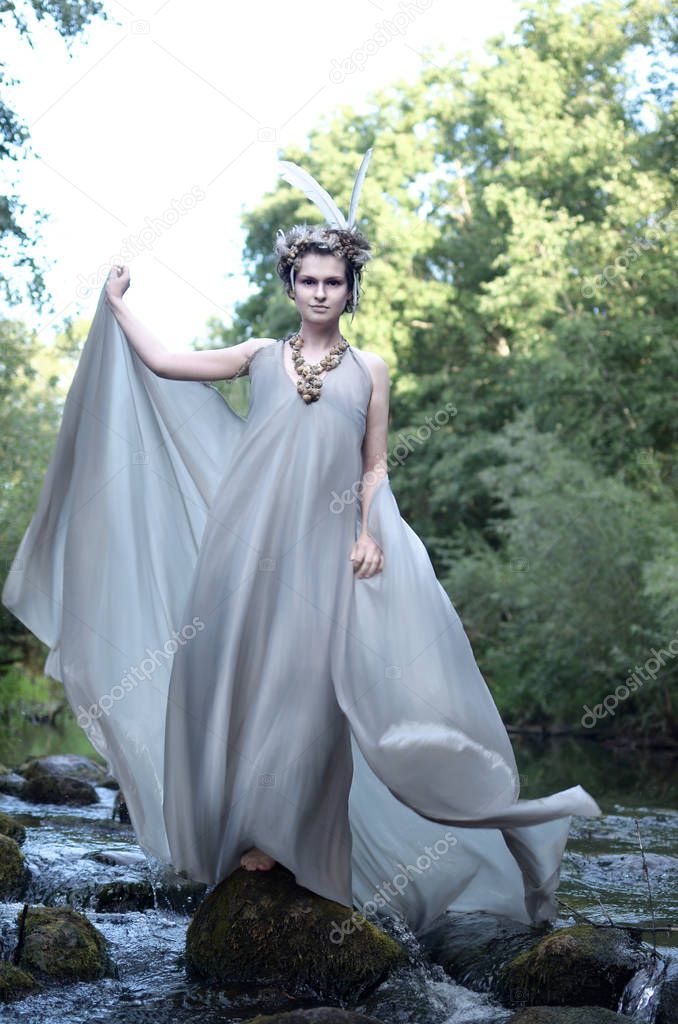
{"x": 86, "y": 857}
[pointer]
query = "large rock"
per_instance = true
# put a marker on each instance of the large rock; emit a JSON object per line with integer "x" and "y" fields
{"x": 667, "y": 1011}
{"x": 261, "y": 928}
{"x": 59, "y": 789}
{"x": 567, "y": 1015}
{"x": 71, "y": 765}
{"x": 61, "y": 779}
{"x": 11, "y": 828}
{"x": 63, "y": 945}
{"x": 317, "y": 1015}
{"x": 15, "y": 983}
{"x": 14, "y": 875}
{"x": 12, "y": 783}
{"x": 120, "y": 895}
{"x": 583, "y": 965}
{"x": 473, "y": 948}
{"x": 124, "y": 858}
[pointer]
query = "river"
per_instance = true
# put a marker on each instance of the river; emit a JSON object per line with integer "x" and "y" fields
{"x": 602, "y": 875}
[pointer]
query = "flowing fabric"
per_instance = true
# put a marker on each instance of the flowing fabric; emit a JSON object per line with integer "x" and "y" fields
{"x": 189, "y": 570}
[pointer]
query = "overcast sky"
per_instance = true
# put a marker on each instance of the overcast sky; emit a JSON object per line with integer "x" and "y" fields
{"x": 163, "y": 124}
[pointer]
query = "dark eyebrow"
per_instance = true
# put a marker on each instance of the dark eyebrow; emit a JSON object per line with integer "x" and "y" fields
{"x": 330, "y": 277}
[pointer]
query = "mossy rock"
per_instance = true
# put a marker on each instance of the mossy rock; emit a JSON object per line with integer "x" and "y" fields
{"x": 15, "y": 983}
{"x": 11, "y": 828}
{"x": 118, "y": 896}
{"x": 317, "y": 1015}
{"x": 14, "y": 875}
{"x": 261, "y": 928}
{"x": 63, "y": 945}
{"x": 474, "y": 947}
{"x": 566, "y": 1015}
{"x": 583, "y": 965}
{"x": 72, "y": 766}
{"x": 59, "y": 789}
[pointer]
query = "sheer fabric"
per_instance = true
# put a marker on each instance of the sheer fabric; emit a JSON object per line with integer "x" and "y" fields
{"x": 189, "y": 570}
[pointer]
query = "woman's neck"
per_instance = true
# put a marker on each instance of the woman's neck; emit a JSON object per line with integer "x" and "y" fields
{"x": 319, "y": 338}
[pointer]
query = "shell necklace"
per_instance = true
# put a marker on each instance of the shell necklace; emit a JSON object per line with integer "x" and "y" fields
{"x": 310, "y": 384}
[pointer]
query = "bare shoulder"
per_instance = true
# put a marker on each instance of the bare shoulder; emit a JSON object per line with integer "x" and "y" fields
{"x": 373, "y": 358}
{"x": 255, "y": 344}
{"x": 245, "y": 351}
{"x": 377, "y": 366}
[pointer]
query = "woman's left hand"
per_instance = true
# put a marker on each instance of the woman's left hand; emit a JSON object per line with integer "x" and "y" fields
{"x": 118, "y": 281}
{"x": 367, "y": 556}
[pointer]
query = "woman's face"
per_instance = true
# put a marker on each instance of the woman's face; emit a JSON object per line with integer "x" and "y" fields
{"x": 321, "y": 287}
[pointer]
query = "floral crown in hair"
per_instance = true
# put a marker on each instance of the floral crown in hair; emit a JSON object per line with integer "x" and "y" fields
{"x": 339, "y": 235}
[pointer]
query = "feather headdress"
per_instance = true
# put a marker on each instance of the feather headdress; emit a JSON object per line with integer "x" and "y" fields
{"x": 306, "y": 183}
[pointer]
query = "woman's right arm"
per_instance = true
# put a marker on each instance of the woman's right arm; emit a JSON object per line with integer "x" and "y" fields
{"x": 216, "y": 364}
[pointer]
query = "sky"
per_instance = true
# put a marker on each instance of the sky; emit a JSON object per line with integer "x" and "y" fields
{"x": 153, "y": 133}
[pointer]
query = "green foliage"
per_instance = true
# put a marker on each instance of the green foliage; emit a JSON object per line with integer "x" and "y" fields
{"x": 659, "y": 578}
{"x": 26, "y": 694}
{"x": 558, "y": 606}
{"x": 33, "y": 380}
{"x": 16, "y": 241}
{"x": 523, "y": 212}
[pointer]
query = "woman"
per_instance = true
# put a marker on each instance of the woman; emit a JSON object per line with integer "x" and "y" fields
{"x": 320, "y": 705}
{"x": 322, "y": 293}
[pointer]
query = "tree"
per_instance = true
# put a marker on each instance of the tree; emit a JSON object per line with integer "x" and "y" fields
{"x": 523, "y": 210}
{"x": 33, "y": 385}
{"x": 16, "y": 244}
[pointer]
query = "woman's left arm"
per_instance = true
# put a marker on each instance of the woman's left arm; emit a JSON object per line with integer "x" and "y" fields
{"x": 366, "y": 555}
{"x": 375, "y": 442}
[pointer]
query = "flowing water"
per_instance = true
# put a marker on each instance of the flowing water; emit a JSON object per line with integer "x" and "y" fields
{"x": 602, "y": 877}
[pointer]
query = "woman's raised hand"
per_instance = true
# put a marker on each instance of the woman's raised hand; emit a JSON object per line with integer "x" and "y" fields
{"x": 118, "y": 282}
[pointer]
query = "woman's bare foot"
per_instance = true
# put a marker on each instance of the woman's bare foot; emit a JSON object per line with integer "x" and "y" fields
{"x": 256, "y": 860}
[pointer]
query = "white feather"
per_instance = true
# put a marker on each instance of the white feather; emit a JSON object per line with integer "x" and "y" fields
{"x": 302, "y": 180}
{"x": 355, "y": 195}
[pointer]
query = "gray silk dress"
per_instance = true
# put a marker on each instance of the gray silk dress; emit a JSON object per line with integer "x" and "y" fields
{"x": 189, "y": 570}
